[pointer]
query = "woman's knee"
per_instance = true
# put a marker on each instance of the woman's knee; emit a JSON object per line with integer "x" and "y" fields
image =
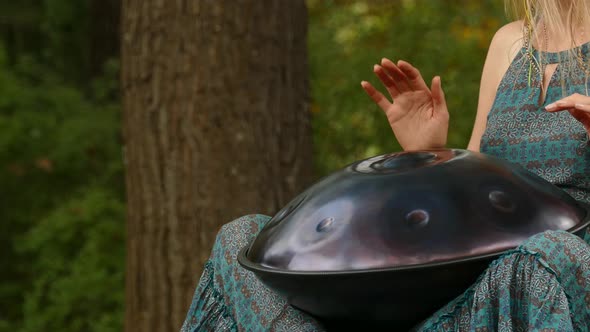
{"x": 553, "y": 240}
{"x": 560, "y": 250}
{"x": 240, "y": 231}
{"x": 252, "y": 223}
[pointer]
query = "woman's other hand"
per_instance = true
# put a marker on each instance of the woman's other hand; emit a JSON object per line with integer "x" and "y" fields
{"x": 418, "y": 114}
{"x": 577, "y": 105}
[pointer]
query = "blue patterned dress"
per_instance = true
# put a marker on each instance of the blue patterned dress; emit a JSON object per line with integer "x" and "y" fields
{"x": 543, "y": 285}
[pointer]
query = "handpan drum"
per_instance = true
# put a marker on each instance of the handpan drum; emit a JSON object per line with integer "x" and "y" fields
{"x": 390, "y": 239}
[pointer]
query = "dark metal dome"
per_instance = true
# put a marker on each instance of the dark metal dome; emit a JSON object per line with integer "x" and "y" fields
{"x": 393, "y": 237}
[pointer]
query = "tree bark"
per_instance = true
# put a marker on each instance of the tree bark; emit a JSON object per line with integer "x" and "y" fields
{"x": 216, "y": 125}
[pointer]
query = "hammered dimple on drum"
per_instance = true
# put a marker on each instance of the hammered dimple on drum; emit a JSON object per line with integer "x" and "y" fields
{"x": 418, "y": 218}
{"x": 402, "y": 162}
{"x": 325, "y": 225}
{"x": 502, "y": 201}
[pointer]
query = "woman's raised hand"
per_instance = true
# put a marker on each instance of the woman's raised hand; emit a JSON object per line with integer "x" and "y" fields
{"x": 418, "y": 114}
{"x": 577, "y": 105}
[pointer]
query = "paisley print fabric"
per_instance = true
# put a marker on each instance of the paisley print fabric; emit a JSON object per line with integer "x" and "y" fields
{"x": 543, "y": 285}
{"x": 540, "y": 286}
{"x": 552, "y": 145}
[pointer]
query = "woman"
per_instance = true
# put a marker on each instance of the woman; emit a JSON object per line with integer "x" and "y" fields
{"x": 533, "y": 110}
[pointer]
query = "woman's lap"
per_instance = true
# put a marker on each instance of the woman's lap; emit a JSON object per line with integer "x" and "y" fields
{"x": 245, "y": 304}
{"x": 545, "y": 283}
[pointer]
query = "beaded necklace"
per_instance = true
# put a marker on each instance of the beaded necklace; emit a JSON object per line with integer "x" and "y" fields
{"x": 534, "y": 63}
{"x": 537, "y": 66}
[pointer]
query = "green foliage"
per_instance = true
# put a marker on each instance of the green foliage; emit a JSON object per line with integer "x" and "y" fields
{"x": 79, "y": 261}
{"x": 63, "y": 193}
{"x": 346, "y": 38}
{"x": 66, "y": 27}
{"x": 62, "y": 222}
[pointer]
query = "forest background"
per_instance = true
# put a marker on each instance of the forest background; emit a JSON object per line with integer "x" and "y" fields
{"x": 62, "y": 218}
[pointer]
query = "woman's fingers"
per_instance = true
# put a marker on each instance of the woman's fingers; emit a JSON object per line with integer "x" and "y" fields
{"x": 577, "y": 105}
{"x": 377, "y": 96}
{"x": 415, "y": 79}
{"x": 387, "y": 81}
{"x": 582, "y": 107}
{"x": 398, "y": 76}
{"x": 575, "y": 101}
{"x": 561, "y": 105}
{"x": 438, "y": 95}
{"x": 566, "y": 106}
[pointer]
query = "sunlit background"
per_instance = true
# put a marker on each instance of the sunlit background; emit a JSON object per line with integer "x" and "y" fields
{"x": 62, "y": 218}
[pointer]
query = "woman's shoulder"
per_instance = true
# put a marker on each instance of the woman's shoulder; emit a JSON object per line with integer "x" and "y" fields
{"x": 512, "y": 30}
{"x": 509, "y": 39}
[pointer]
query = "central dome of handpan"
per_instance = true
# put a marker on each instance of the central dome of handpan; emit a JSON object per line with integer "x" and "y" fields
{"x": 392, "y": 238}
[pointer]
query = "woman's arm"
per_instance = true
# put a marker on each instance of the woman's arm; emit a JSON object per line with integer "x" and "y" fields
{"x": 504, "y": 46}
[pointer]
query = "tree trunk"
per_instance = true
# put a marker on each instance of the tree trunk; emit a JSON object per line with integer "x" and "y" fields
{"x": 216, "y": 125}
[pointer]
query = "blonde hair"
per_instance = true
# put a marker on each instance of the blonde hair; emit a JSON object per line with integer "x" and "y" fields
{"x": 561, "y": 18}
